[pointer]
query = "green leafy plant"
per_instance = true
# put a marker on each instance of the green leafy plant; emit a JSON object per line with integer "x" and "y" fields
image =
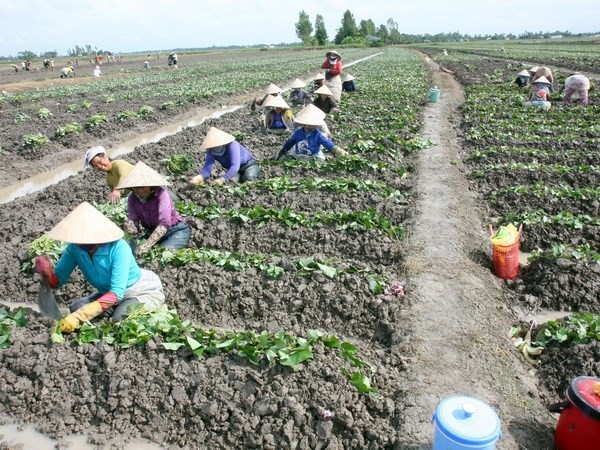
{"x": 167, "y": 105}
{"x": 43, "y": 246}
{"x": 146, "y": 111}
{"x": 70, "y": 128}
{"x": 44, "y": 113}
{"x": 125, "y": 115}
{"x": 116, "y": 213}
{"x": 34, "y": 140}
{"x": 86, "y": 104}
{"x": 73, "y": 108}
{"x": 20, "y": 118}
{"x": 96, "y": 120}
{"x": 179, "y": 163}
{"x": 15, "y": 318}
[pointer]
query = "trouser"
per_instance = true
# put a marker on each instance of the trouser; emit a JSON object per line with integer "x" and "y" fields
{"x": 582, "y": 93}
{"x": 178, "y": 236}
{"x": 248, "y": 172}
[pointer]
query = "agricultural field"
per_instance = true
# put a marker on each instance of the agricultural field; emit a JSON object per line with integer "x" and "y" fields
{"x": 541, "y": 170}
{"x": 288, "y": 320}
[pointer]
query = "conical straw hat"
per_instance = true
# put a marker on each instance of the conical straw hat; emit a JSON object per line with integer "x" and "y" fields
{"x": 85, "y": 225}
{"x": 216, "y": 138}
{"x": 347, "y": 77}
{"x": 273, "y": 101}
{"x": 320, "y": 76}
{"x": 333, "y": 52}
{"x": 524, "y": 73}
{"x": 297, "y": 84}
{"x": 310, "y": 115}
{"x": 534, "y": 69}
{"x": 272, "y": 89}
{"x": 142, "y": 175}
{"x": 324, "y": 90}
{"x": 542, "y": 80}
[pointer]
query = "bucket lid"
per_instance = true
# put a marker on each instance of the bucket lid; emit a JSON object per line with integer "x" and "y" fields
{"x": 467, "y": 421}
{"x": 583, "y": 393}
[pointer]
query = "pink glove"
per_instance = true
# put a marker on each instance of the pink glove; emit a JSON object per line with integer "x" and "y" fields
{"x": 108, "y": 300}
{"x": 43, "y": 266}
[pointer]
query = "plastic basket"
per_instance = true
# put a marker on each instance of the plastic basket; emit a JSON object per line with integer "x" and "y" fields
{"x": 506, "y": 258}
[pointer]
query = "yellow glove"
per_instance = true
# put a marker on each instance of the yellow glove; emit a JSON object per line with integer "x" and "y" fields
{"x": 219, "y": 181}
{"x": 339, "y": 151}
{"x": 197, "y": 180}
{"x": 83, "y": 314}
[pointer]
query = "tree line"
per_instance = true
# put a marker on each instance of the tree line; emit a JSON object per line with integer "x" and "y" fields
{"x": 367, "y": 33}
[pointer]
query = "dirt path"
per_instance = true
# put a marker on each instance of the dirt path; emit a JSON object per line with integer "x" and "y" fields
{"x": 458, "y": 321}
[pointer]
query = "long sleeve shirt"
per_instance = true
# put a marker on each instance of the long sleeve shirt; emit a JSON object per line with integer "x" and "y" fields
{"x": 307, "y": 143}
{"x": 234, "y": 157}
{"x": 335, "y": 69}
{"x": 159, "y": 209}
{"x": 111, "y": 269}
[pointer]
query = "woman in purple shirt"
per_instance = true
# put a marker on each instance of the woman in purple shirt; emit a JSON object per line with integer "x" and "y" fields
{"x": 222, "y": 147}
{"x": 151, "y": 212}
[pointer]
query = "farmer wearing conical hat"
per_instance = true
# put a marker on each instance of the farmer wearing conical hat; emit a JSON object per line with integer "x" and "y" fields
{"x": 222, "y": 147}
{"x": 317, "y": 82}
{"x": 576, "y": 84}
{"x": 298, "y": 96}
{"x": 272, "y": 89}
{"x": 348, "y": 83}
{"x": 324, "y": 100}
{"x": 523, "y": 78}
{"x": 278, "y": 118}
{"x": 106, "y": 262}
{"x": 115, "y": 170}
{"x": 151, "y": 213}
{"x": 544, "y": 72}
{"x": 306, "y": 141}
{"x": 540, "y": 93}
{"x": 333, "y": 72}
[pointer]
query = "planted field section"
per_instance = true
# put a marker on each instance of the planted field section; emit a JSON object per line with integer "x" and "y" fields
{"x": 577, "y": 54}
{"x": 542, "y": 170}
{"x": 308, "y": 247}
{"x": 41, "y": 121}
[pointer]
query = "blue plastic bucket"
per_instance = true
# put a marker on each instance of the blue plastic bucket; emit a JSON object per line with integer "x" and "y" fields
{"x": 465, "y": 423}
{"x": 434, "y": 94}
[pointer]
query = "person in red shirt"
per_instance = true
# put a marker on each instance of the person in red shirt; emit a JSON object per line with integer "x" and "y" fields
{"x": 333, "y": 73}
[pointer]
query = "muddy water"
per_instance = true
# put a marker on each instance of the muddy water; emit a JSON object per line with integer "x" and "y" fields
{"x": 29, "y": 438}
{"x": 63, "y": 171}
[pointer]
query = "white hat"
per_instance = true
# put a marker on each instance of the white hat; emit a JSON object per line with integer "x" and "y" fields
{"x": 91, "y": 153}
{"x": 216, "y": 138}
{"x": 534, "y": 69}
{"x": 310, "y": 115}
{"x": 141, "y": 175}
{"x": 320, "y": 76}
{"x": 297, "y": 84}
{"x": 273, "y": 89}
{"x": 333, "y": 52}
{"x": 524, "y": 73}
{"x": 275, "y": 101}
{"x": 85, "y": 225}
{"x": 347, "y": 77}
{"x": 324, "y": 90}
{"x": 542, "y": 80}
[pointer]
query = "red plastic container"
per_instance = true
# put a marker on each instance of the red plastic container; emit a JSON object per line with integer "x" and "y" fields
{"x": 578, "y": 426}
{"x": 506, "y": 258}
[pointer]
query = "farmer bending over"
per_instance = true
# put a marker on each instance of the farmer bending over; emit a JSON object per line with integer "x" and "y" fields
{"x": 106, "y": 262}
{"x": 222, "y": 147}
{"x": 116, "y": 170}
{"x": 151, "y": 212}
{"x": 540, "y": 94}
{"x": 278, "y": 118}
{"x": 298, "y": 96}
{"x": 576, "y": 84}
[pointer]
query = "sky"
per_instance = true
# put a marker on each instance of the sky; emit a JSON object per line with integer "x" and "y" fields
{"x": 139, "y": 25}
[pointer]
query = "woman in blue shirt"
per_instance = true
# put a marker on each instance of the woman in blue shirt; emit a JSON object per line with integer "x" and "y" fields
{"x": 222, "y": 147}
{"x": 307, "y": 140}
{"x": 106, "y": 262}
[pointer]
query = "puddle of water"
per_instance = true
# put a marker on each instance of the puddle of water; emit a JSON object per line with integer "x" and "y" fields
{"x": 30, "y": 439}
{"x": 42, "y": 180}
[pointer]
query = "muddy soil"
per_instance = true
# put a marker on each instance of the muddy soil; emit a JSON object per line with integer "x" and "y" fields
{"x": 448, "y": 336}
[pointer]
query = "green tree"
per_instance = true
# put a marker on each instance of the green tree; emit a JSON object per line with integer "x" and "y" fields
{"x": 50, "y": 54}
{"x": 304, "y": 28}
{"x": 367, "y": 28}
{"x": 320, "y": 30}
{"x": 383, "y": 33}
{"x": 395, "y": 37}
{"x": 348, "y": 28}
{"x": 26, "y": 55}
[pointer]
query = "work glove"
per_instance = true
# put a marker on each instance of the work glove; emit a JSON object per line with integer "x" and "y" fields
{"x": 197, "y": 180}
{"x": 43, "y": 266}
{"x": 141, "y": 249}
{"x": 83, "y": 314}
{"x": 219, "y": 181}
{"x": 339, "y": 151}
{"x": 131, "y": 227}
{"x": 115, "y": 196}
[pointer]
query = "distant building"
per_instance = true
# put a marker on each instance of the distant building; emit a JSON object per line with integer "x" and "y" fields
{"x": 557, "y": 36}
